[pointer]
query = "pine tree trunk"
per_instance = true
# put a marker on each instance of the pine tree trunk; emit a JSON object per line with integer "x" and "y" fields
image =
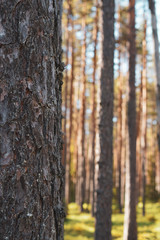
{"x": 123, "y": 151}
{"x": 157, "y": 65}
{"x": 71, "y": 93}
{"x": 94, "y": 110}
{"x": 119, "y": 129}
{"x": 104, "y": 191}
{"x": 77, "y": 141}
{"x": 66, "y": 145}
{"x": 31, "y": 181}
{"x": 138, "y": 144}
{"x": 130, "y": 225}
{"x": 97, "y": 148}
{"x": 144, "y": 120}
{"x": 78, "y": 128}
{"x": 88, "y": 169}
{"x": 82, "y": 159}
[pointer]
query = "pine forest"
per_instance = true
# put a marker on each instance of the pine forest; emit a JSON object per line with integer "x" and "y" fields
{"x": 79, "y": 120}
{"x": 110, "y": 120}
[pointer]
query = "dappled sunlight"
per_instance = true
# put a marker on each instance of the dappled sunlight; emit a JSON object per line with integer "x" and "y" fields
{"x": 80, "y": 226}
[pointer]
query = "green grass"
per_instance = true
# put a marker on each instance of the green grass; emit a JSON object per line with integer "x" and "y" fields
{"x": 81, "y": 226}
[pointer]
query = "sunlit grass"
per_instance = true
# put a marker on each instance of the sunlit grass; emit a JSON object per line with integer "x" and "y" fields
{"x": 81, "y": 226}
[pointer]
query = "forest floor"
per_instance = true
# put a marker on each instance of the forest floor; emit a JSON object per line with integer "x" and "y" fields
{"x": 80, "y": 226}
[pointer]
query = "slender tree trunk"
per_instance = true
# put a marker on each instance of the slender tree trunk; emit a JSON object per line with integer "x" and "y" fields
{"x": 115, "y": 156}
{"x": 88, "y": 170}
{"x": 82, "y": 159}
{"x": 78, "y": 127}
{"x": 71, "y": 107}
{"x": 138, "y": 144}
{"x": 123, "y": 151}
{"x": 144, "y": 120}
{"x": 104, "y": 191}
{"x": 130, "y": 225}
{"x": 66, "y": 145}
{"x": 97, "y": 147}
{"x": 119, "y": 129}
{"x": 157, "y": 65}
{"x": 31, "y": 181}
{"x": 94, "y": 110}
{"x": 119, "y": 123}
{"x": 77, "y": 141}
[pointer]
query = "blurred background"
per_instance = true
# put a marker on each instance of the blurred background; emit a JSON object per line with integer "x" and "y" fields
{"x": 80, "y": 107}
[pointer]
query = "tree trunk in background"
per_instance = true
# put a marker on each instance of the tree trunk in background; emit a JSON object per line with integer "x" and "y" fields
{"x": 71, "y": 95}
{"x": 66, "y": 150}
{"x": 77, "y": 142}
{"x": 88, "y": 170}
{"x": 104, "y": 191}
{"x": 138, "y": 143}
{"x": 94, "y": 112}
{"x": 144, "y": 118}
{"x": 31, "y": 182}
{"x": 119, "y": 129}
{"x": 130, "y": 225}
{"x": 65, "y": 101}
{"x": 81, "y": 157}
{"x": 157, "y": 65}
{"x": 123, "y": 152}
{"x": 97, "y": 147}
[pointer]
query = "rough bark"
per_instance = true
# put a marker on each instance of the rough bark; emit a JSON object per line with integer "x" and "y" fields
{"x": 130, "y": 225}
{"x": 104, "y": 191}
{"x": 31, "y": 178}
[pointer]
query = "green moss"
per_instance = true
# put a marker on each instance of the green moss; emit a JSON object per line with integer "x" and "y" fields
{"x": 80, "y": 226}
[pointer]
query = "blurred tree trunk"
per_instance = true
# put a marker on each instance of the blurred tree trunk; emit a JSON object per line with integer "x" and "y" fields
{"x": 123, "y": 152}
{"x": 88, "y": 169}
{"x": 130, "y": 225}
{"x": 65, "y": 97}
{"x": 77, "y": 132}
{"x": 157, "y": 65}
{"x": 115, "y": 155}
{"x": 94, "y": 111}
{"x": 144, "y": 118}
{"x": 66, "y": 138}
{"x": 97, "y": 148}
{"x": 119, "y": 129}
{"x": 71, "y": 97}
{"x": 81, "y": 154}
{"x": 138, "y": 143}
{"x": 119, "y": 121}
{"x": 104, "y": 191}
{"x": 31, "y": 182}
